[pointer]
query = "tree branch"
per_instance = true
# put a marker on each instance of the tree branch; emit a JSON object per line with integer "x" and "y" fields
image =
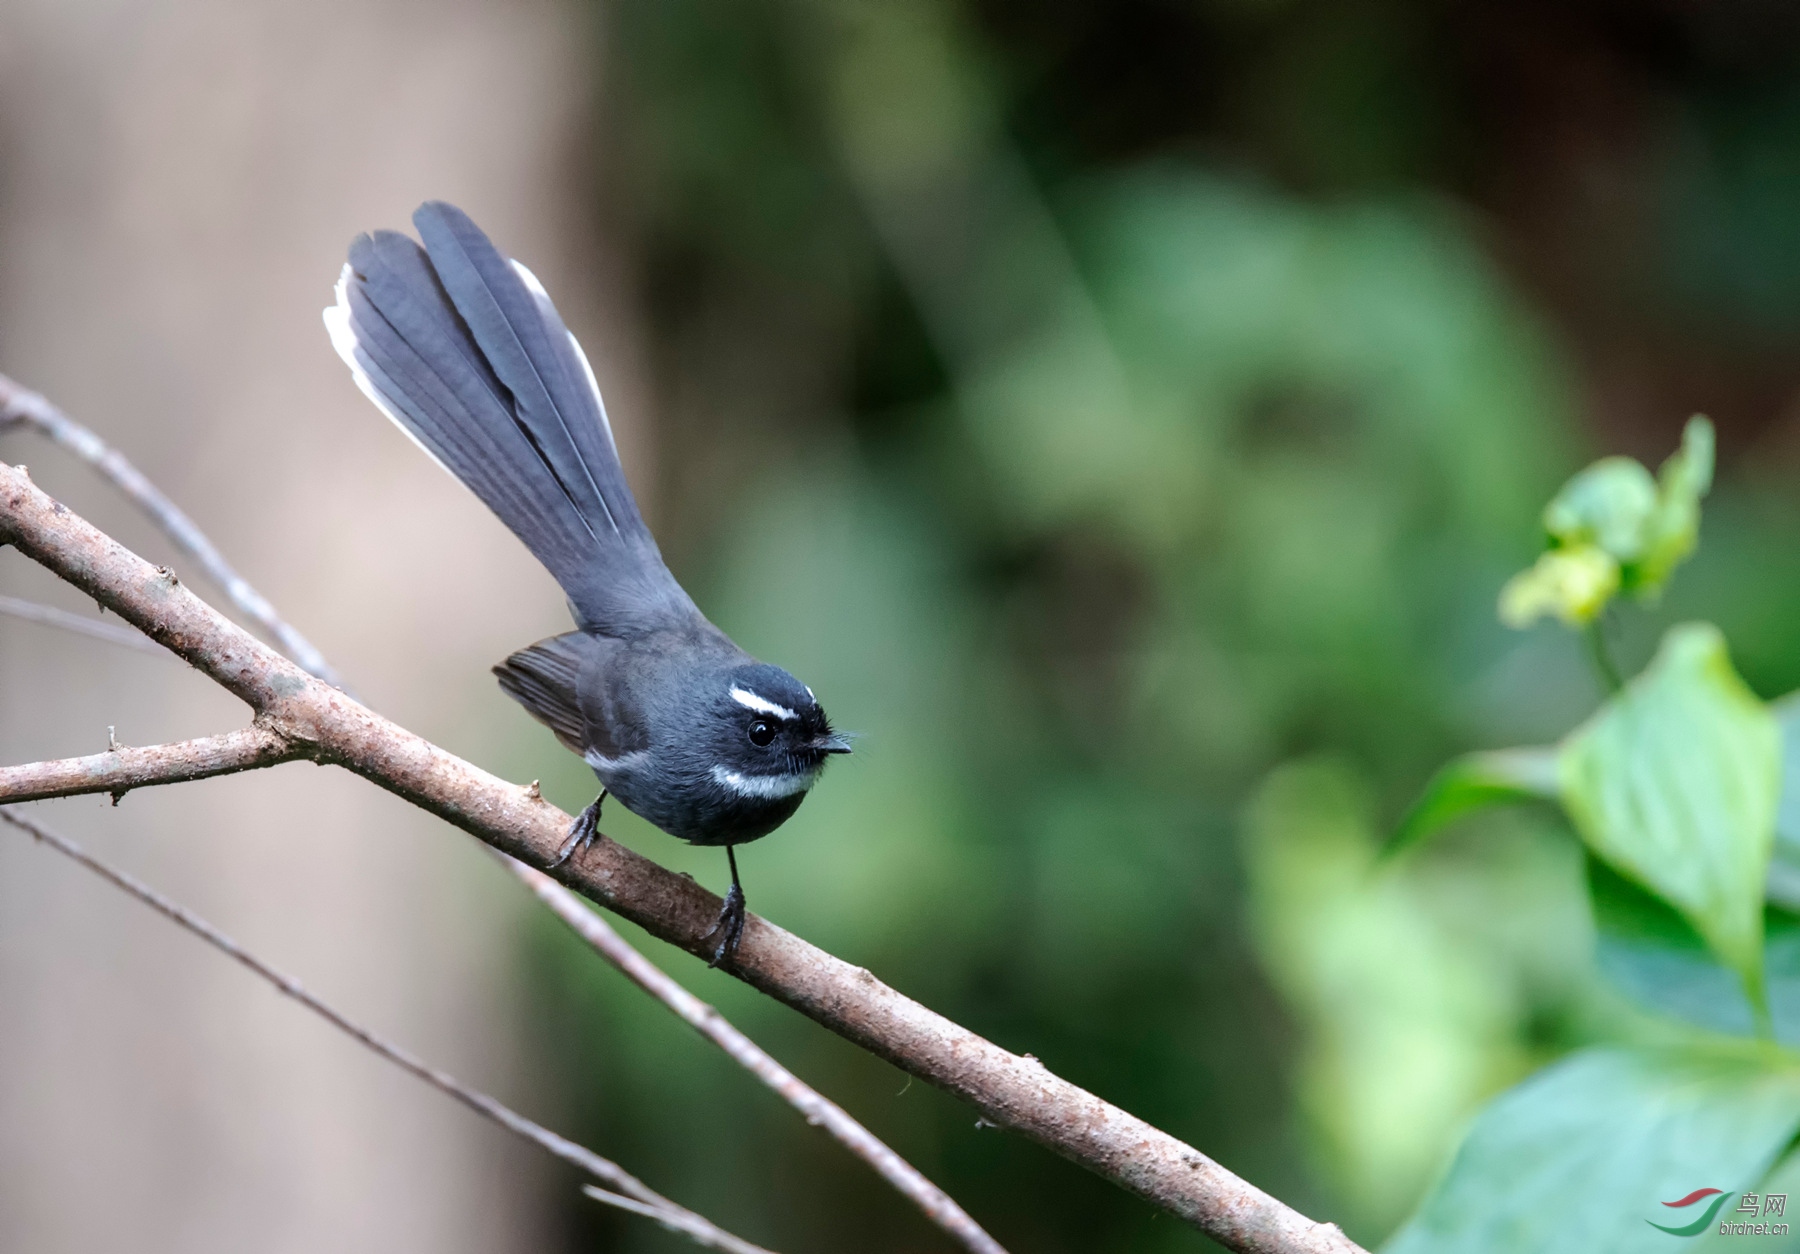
{"x": 121, "y": 769}
{"x": 1011, "y": 1091}
{"x": 638, "y": 1197}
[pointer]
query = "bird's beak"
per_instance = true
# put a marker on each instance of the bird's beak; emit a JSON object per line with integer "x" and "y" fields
{"x": 836, "y": 742}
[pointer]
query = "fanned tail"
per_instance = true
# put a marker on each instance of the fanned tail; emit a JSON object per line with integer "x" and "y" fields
{"x": 466, "y": 353}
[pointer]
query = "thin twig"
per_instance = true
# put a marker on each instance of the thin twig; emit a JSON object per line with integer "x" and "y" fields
{"x": 638, "y": 1196}
{"x": 20, "y": 405}
{"x": 1009, "y": 1090}
{"x": 817, "y": 1110}
{"x": 80, "y": 624}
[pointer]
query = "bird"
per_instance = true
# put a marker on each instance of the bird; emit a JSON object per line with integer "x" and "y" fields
{"x": 463, "y": 349}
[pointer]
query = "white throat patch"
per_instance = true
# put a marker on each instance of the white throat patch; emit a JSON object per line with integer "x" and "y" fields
{"x": 766, "y": 787}
{"x": 762, "y": 705}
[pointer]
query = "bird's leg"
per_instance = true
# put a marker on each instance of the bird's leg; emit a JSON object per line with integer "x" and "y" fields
{"x": 730, "y": 927}
{"x": 581, "y": 832}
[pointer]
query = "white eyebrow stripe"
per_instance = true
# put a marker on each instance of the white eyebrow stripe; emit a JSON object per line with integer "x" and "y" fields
{"x": 762, "y": 705}
{"x": 766, "y": 787}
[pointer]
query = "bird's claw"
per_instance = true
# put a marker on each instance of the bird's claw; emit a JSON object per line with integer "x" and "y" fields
{"x": 728, "y": 930}
{"x": 581, "y": 833}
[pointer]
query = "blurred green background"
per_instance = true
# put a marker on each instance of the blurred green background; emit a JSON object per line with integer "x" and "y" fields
{"x": 1124, "y": 415}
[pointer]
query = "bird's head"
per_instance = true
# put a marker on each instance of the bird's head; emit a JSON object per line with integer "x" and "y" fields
{"x": 774, "y": 737}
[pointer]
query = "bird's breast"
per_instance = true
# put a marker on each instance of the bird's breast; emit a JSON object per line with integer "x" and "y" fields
{"x": 713, "y": 805}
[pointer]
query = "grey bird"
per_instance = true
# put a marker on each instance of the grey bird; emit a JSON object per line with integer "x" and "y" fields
{"x": 464, "y": 350}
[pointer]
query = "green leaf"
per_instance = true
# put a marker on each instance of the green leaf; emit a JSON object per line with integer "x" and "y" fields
{"x": 1579, "y": 1158}
{"x": 1673, "y": 528}
{"x": 1572, "y": 584}
{"x": 1609, "y": 505}
{"x": 1476, "y": 781}
{"x": 1653, "y": 956}
{"x": 1784, "y": 865}
{"x": 1674, "y": 783}
{"x": 1614, "y": 529}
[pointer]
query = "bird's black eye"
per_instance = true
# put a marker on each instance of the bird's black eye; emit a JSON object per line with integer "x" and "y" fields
{"x": 761, "y": 733}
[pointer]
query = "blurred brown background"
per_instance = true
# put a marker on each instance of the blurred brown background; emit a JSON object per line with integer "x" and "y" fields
{"x": 180, "y": 181}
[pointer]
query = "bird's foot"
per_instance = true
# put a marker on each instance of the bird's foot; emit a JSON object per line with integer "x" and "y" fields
{"x": 728, "y": 930}
{"x": 581, "y": 833}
